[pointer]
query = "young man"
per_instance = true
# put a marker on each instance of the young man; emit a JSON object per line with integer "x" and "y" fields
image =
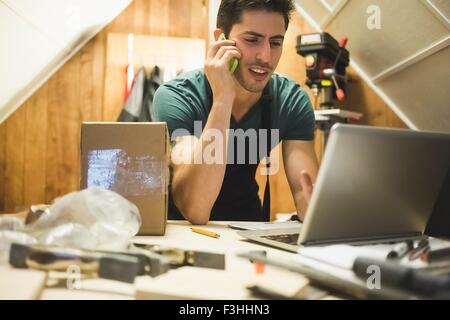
{"x": 248, "y": 99}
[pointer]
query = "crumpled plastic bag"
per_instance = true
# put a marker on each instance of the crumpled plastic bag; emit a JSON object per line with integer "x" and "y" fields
{"x": 93, "y": 218}
{"x": 11, "y": 224}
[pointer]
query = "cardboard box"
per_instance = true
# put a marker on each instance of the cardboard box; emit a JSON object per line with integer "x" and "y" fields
{"x": 132, "y": 160}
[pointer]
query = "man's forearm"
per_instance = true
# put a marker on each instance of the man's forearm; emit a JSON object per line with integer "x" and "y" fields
{"x": 300, "y": 204}
{"x": 195, "y": 186}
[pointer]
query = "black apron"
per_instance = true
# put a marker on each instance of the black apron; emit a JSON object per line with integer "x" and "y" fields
{"x": 238, "y": 198}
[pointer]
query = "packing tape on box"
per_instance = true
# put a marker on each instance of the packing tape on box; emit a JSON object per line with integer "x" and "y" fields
{"x": 115, "y": 170}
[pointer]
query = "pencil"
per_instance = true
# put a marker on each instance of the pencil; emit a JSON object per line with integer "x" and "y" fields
{"x": 206, "y": 233}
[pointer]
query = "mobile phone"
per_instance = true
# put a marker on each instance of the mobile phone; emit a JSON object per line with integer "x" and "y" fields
{"x": 234, "y": 62}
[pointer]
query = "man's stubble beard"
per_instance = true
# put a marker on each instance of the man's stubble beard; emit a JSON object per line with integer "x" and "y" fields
{"x": 254, "y": 88}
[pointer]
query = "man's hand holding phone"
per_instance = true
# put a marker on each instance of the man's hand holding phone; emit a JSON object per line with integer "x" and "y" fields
{"x": 234, "y": 62}
{"x": 217, "y": 68}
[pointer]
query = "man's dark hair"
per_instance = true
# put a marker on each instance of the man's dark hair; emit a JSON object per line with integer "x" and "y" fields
{"x": 230, "y": 11}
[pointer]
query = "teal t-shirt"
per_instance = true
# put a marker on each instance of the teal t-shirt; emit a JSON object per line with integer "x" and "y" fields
{"x": 188, "y": 98}
{"x": 185, "y": 103}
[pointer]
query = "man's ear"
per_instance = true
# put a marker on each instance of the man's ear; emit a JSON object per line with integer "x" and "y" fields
{"x": 217, "y": 33}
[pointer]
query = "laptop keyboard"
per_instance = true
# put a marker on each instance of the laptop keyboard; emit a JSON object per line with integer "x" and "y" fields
{"x": 284, "y": 238}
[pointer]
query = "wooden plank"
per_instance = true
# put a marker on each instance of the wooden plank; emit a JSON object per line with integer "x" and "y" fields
{"x": 35, "y": 147}
{"x": 125, "y": 21}
{"x": 360, "y": 98}
{"x": 114, "y": 92}
{"x": 142, "y": 16}
{"x": 2, "y": 165}
{"x": 64, "y": 130}
{"x": 54, "y": 146}
{"x": 98, "y": 76}
{"x": 283, "y": 201}
{"x": 14, "y": 170}
{"x": 179, "y": 18}
{"x": 86, "y": 85}
{"x": 392, "y": 120}
{"x": 159, "y": 21}
{"x": 319, "y": 144}
{"x": 199, "y": 19}
{"x": 69, "y": 170}
{"x": 115, "y": 76}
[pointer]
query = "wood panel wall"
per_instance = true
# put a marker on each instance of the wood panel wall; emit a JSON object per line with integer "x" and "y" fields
{"x": 39, "y": 143}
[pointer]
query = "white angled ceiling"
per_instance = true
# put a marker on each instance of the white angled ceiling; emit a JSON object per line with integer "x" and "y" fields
{"x": 39, "y": 36}
{"x": 406, "y": 61}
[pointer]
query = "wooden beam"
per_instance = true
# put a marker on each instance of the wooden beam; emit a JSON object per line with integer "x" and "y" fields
{"x": 14, "y": 170}
{"x": 35, "y": 147}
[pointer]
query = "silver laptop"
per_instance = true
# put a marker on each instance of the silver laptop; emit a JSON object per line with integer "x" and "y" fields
{"x": 375, "y": 185}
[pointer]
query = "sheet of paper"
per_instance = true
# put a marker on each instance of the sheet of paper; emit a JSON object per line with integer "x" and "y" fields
{"x": 264, "y": 225}
{"x": 344, "y": 255}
